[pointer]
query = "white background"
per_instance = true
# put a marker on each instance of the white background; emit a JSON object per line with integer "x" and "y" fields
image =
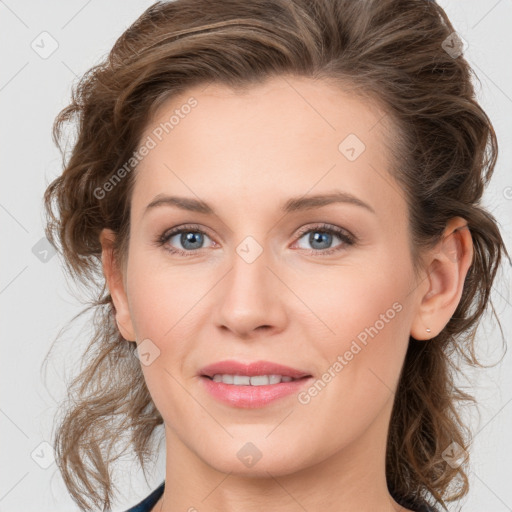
{"x": 36, "y": 301}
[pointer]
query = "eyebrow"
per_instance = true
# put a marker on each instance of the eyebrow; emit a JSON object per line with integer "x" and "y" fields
{"x": 291, "y": 205}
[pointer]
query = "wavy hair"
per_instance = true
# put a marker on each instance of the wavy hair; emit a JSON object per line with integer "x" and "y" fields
{"x": 443, "y": 148}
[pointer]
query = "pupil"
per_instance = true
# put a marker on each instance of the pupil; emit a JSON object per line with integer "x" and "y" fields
{"x": 316, "y": 236}
{"x": 191, "y": 238}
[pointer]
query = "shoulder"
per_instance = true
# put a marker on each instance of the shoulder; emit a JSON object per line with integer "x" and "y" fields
{"x": 147, "y": 503}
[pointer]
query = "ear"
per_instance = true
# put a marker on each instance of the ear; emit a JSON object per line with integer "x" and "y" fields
{"x": 447, "y": 266}
{"x": 114, "y": 278}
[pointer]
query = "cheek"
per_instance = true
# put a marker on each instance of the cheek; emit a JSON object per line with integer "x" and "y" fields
{"x": 162, "y": 298}
{"x": 164, "y": 308}
{"x": 366, "y": 315}
{"x": 362, "y": 359}
{"x": 167, "y": 309}
{"x": 347, "y": 300}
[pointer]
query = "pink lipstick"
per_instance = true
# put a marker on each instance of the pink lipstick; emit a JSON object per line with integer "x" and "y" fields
{"x": 252, "y": 385}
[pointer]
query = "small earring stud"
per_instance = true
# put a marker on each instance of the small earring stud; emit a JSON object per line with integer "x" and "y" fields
{"x": 428, "y": 329}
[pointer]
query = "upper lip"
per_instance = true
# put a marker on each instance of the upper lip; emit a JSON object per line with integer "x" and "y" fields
{"x": 231, "y": 367}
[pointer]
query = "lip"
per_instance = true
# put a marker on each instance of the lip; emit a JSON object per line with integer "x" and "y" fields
{"x": 232, "y": 367}
{"x": 250, "y": 397}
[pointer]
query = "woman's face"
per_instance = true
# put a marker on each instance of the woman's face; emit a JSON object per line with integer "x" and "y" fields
{"x": 263, "y": 278}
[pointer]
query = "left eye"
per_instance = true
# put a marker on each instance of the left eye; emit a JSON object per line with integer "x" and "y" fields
{"x": 322, "y": 237}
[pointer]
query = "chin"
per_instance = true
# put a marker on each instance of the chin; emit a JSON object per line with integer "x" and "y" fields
{"x": 250, "y": 461}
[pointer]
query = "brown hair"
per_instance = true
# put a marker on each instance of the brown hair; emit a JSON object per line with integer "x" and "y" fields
{"x": 444, "y": 150}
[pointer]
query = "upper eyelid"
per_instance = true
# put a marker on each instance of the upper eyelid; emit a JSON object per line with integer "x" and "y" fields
{"x": 187, "y": 227}
{"x": 324, "y": 227}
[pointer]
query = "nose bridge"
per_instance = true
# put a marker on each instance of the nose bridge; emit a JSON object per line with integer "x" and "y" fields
{"x": 250, "y": 294}
{"x": 249, "y": 279}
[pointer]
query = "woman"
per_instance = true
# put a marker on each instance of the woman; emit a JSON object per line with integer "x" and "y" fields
{"x": 279, "y": 204}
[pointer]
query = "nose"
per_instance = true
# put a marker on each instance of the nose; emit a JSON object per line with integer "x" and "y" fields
{"x": 251, "y": 296}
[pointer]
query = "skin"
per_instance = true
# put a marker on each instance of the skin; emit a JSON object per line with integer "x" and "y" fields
{"x": 245, "y": 154}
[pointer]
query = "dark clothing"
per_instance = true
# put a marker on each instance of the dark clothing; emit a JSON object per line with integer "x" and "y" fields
{"x": 149, "y": 502}
{"x": 416, "y": 505}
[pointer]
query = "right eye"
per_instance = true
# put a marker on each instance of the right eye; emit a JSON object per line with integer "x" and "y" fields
{"x": 191, "y": 238}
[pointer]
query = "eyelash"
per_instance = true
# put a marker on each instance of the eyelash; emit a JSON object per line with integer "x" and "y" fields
{"x": 347, "y": 238}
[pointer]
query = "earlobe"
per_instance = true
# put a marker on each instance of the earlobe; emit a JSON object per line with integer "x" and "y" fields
{"x": 448, "y": 264}
{"x": 114, "y": 278}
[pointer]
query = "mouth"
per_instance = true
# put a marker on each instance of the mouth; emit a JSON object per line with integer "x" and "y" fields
{"x": 252, "y": 385}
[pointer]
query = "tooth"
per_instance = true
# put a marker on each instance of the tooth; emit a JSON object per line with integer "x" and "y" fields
{"x": 241, "y": 380}
{"x": 259, "y": 380}
{"x": 246, "y": 380}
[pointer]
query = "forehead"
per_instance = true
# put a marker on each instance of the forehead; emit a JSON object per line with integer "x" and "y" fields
{"x": 284, "y": 137}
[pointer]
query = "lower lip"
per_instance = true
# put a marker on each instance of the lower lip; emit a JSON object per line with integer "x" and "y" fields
{"x": 250, "y": 397}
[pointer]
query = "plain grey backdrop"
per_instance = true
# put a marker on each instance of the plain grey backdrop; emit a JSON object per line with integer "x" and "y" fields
{"x": 45, "y": 47}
